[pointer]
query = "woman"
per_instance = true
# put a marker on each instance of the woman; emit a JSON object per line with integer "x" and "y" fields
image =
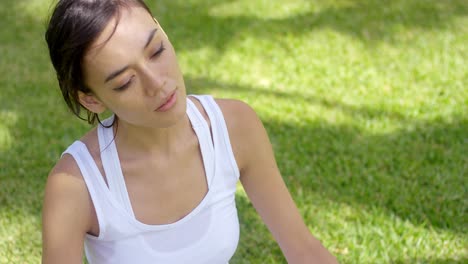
{"x": 155, "y": 183}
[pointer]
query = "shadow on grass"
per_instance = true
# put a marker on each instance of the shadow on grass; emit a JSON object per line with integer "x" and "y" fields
{"x": 416, "y": 174}
{"x": 27, "y": 95}
{"x": 207, "y": 86}
{"x": 370, "y": 21}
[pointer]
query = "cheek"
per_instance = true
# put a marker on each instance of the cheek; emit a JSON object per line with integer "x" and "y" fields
{"x": 122, "y": 102}
{"x": 174, "y": 68}
{"x": 93, "y": 73}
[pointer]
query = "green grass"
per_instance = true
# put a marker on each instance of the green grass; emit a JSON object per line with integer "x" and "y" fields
{"x": 366, "y": 104}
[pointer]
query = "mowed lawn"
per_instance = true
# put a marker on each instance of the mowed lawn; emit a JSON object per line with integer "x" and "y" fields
{"x": 365, "y": 102}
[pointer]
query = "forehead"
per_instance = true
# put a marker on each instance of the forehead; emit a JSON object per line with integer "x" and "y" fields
{"x": 126, "y": 33}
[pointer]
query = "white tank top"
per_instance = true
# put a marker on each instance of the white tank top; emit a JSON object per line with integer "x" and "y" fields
{"x": 208, "y": 234}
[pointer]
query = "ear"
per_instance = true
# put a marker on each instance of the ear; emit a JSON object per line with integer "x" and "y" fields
{"x": 91, "y": 102}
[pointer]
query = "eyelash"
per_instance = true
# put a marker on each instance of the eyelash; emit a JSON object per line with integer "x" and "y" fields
{"x": 125, "y": 86}
{"x": 159, "y": 51}
{"x": 155, "y": 55}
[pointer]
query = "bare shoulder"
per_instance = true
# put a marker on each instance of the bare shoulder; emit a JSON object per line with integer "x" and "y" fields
{"x": 66, "y": 170}
{"x": 65, "y": 186}
{"x": 244, "y": 127}
{"x": 238, "y": 114}
{"x": 66, "y": 213}
{"x": 246, "y": 132}
{"x": 67, "y": 204}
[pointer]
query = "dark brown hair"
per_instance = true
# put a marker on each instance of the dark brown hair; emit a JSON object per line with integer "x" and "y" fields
{"x": 73, "y": 26}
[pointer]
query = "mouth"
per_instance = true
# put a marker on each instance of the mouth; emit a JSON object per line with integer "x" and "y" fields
{"x": 169, "y": 102}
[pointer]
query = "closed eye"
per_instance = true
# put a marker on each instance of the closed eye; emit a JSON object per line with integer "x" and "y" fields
{"x": 159, "y": 51}
{"x": 154, "y": 56}
{"x": 125, "y": 86}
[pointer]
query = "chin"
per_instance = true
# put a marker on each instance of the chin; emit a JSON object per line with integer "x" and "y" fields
{"x": 176, "y": 114}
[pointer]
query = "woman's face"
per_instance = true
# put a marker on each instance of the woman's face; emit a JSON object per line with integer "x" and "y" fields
{"x": 135, "y": 73}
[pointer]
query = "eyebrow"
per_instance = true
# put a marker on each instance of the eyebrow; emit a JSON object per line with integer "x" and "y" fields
{"x": 120, "y": 71}
{"x": 150, "y": 37}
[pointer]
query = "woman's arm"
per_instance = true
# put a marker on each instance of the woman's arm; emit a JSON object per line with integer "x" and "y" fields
{"x": 66, "y": 216}
{"x": 265, "y": 187}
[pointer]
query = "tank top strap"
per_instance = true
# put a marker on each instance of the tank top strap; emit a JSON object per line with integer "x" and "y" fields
{"x": 221, "y": 140}
{"x": 202, "y": 130}
{"x": 92, "y": 176}
{"x": 111, "y": 164}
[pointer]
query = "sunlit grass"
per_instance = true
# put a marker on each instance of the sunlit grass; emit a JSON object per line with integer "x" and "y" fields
{"x": 7, "y": 120}
{"x": 365, "y": 103}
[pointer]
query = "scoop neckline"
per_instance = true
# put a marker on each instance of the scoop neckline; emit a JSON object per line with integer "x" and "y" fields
{"x": 201, "y": 129}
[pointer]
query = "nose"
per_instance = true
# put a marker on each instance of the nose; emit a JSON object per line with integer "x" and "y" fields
{"x": 152, "y": 81}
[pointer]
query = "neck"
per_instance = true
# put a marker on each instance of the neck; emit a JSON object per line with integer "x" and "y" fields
{"x": 152, "y": 140}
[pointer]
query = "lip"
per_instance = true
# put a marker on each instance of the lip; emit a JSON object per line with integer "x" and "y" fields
{"x": 169, "y": 102}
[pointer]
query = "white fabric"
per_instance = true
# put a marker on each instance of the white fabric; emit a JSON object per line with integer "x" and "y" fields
{"x": 208, "y": 234}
